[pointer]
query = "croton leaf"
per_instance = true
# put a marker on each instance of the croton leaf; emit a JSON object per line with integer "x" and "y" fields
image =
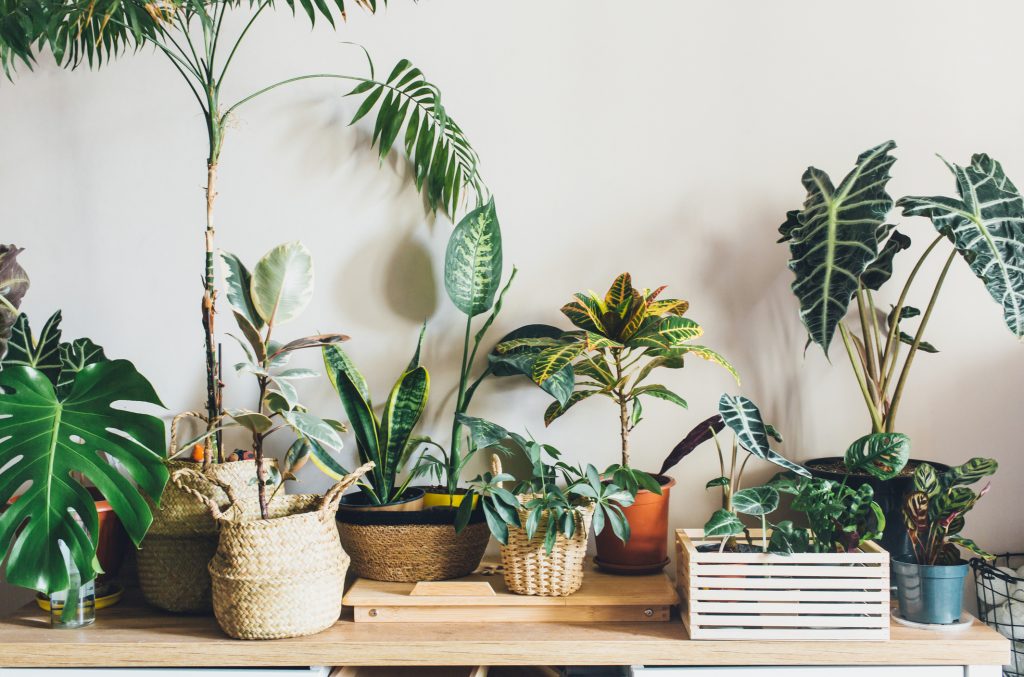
{"x": 667, "y": 307}
{"x": 282, "y": 283}
{"x": 42, "y": 353}
{"x": 723, "y": 523}
{"x": 621, "y": 290}
{"x": 581, "y": 316}
{"x": 13, "y": 286}
{"x": 556, "y": 409}
{"x": 700, "y": 434}
{"x": 44, "y": 439}
{"x": 834, "y": 238}
{"x": 986, "y": 225}
{"x": 669, "y": 332}
{"x": 662, "y": 393}
{"x": 881, "y": 455}
{"x": 711, "y": 356}
{"x": 472, "y": 264}
{"x": 552, "y": 360}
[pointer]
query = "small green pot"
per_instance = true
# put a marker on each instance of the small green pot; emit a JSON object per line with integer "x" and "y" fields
{"x": 929, "y": 594}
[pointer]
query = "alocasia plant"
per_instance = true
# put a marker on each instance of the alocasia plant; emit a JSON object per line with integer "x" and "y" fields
{"x": 13, "y": 285}
{"x": 58, "y": 423}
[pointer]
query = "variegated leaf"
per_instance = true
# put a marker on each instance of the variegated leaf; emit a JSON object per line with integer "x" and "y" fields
{"x": 42, "y": 352}
{"x": 834, "y": 238}
{"x": 596, "y": 369}
{"x": 710, "y": 355}
{"x": 580, "y": 316}
{"x": 670, "y": 332}
{"x": 701, "y": 433}
{"x": 668, "y": 307}
{"x": 553, "y": 360}
{"x": 986, "y": 224}
{"x": 530, "y": 342}
{"x": 970, "y": 472}
{"x": 473, "y": 260}
{"x": 282, "y": 283}
{"x": 598, "y": 342}
{"x": 662, "y": 393}
{"x": 881, "y": 455}
{"x": 556, "y": 409}
{"x": 915, "y": 513}
{"x": 621, "y": 289}
{"x": 723, "y": 523}
{"x": 926, "y": 480}
{"x": 970, "y": 545}
{"x": 756, "y": 501}
{"x": 744, "y": 419}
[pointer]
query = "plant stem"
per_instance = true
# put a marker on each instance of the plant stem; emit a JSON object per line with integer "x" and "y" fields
{"x": 871, "y": 374}
{"x": 452, "y": 471}
{"x": 876, "y": 418}
{"x": 898, "y": 393}
{"x": 620, "y": 398}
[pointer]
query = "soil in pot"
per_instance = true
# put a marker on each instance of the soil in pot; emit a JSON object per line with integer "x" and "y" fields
{"x": 411, "y": 500}
{"x": 646, "y": 551}
{"x": 888, "y": 494}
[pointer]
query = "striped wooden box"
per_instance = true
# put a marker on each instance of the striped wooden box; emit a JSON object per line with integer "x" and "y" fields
{"x": 833, "y": 596}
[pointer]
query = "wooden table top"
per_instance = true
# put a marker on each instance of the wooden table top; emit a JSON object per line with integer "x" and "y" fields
{"x": 132, "y": 635}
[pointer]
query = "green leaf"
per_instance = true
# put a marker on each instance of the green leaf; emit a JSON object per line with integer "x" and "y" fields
{"x": 756, "y": 501}
{"x": 723, "y": 523}
{"x": 75, "y": 357}
{"x": 637, "y": 414}
{"x": 717, "y": 482}
{"x": 556, "y": 409}
{"x": 252, "y": 336}
{"x": 788, "y": 539}
{"x": 923, "y": 346}
{"x": 337, "y": 360}
{"x": 45, "y": 439}
{"x": 482, "y": 432}
{"x": 744, "y": 419}
{"x": 670, "y": 332}
{"x": 553, "y": 360}
{"x": 879, "y": 271}
{"x": 282, "y": 283}
{"x": 970, "y": 472}
{"x": 251, "y": 420}
{"x": 881, "y": 455}
{"x": 361, "y": 419}
{"x": 968, "y": 544}
{"x": 238, "y": 280}
{"x": 324, "y": 462}
{"x": 14, "y": 282}
{"x": 834, "y": 239}
{"x": 472, "y": 265}
{"x": 313, "y": 428}
{"x": 42, "y": 353}
{"x": 711, "y": 356}
{"x": 986, "y": 225}
{"x": 402, "y": 412}
{"x": 662, "y": 393}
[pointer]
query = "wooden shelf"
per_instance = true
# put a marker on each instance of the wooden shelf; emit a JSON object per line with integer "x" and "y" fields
{"x": 131, "y": 635}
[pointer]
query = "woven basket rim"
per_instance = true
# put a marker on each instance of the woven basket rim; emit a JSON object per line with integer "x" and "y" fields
{"x": 429, "y": 517}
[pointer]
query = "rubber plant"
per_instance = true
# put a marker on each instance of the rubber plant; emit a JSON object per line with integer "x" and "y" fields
{"x": 842, "y": 250}
{"x": 193, "y": 37}
{"x": 387, "y": 441}
{"x": 59, "y": 427}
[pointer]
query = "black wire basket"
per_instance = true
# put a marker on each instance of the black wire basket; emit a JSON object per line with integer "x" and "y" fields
{"x": 1001, "y": 603}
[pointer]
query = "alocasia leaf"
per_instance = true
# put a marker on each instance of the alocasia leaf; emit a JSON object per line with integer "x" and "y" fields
{"x": 700, "y": 434}
{"x": 75, "y": 357}
{"x": 472, "y": 264}
{"x": 13, "y": 286}
{"x": 879, "y": 271}
{"x": 723, "y": 523}
{"x": 986, "y": 224}
{"x": 45, "y": 438}
{"x": 756, "y": 501}
{"x": 41, "y": 352}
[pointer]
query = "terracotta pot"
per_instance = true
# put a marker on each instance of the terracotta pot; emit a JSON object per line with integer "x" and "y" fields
{"x": 646, "y": 551}
{"x": 360, "y": 502}
{"x": 112, "y": 544}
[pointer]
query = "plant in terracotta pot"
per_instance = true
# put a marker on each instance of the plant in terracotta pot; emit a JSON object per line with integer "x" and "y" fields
{"x": 842, "y": 250}
{"x": 930, "y": 579}
{"x": 620, "y": 340}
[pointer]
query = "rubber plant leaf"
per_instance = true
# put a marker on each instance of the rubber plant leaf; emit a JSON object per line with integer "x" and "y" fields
{"x": 14, "y": 284}
{"x": 881, "y": 455}
{"x": 238, "y": 281}
{"x": 700, "y": 434}
{"x": 834, "y": 238}
{"x": 472, "y": 264}
{"x": 46, "y": 438}
{"x": 986, "y": 225}
{"x": 42, "y": 353}
{"x": 282, "y": 283}
{"x": 402, "y": 411}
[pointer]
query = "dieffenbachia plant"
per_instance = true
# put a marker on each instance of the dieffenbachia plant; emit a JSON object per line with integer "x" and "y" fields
{"x": 193, "y": 36}
{"x": 933, "y": 512}
{"x": 620, "y": 340}
{"x": 387, "y": 441}
{"x": 842, "y": 249}
{"x": 13, "y": 285}
{"x": 58, "y": 424}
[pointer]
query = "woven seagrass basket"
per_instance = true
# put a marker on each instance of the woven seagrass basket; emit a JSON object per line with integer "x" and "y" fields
{"x": 283, "y": 576}
{"x": 530, "y": 570}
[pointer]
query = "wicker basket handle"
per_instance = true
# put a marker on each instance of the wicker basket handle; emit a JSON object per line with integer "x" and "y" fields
{"x": 331, "y": 499}
{"x": 173, "y": 449}
{"x": 495, "y": 465}
{"x": 178, "y": 477}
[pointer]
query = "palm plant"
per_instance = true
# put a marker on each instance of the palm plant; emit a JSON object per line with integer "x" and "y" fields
{"x": 191, "y": 34}
{"x": 842, "y": 249}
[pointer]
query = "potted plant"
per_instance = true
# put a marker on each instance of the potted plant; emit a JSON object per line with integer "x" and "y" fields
{"x": 544, "y": 522}
{"x": 842, "y": 250}
{"x": 930, "y": 579}
{"x": 619, "y": 341}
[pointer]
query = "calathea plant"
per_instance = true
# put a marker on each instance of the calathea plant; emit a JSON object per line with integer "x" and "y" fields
{"x": 13, "y": 285}
{"x": 192, "y": 34}
{"x": 619, "y": 341}
{"x": 59, "y": 427}
{"x": 387, "y": 441}
{"x": 934, "y": 512}
{"x": 842, "y": 250}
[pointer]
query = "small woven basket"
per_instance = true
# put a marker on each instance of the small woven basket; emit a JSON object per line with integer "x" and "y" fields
{"x": 181, "y": 541}
{"x": 530, "y": 570}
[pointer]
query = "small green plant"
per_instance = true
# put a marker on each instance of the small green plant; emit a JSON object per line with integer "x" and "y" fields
{"x": 934, "y": 511}
{"x": 840, "y": 518}
{"x": 551, "y": 497}
{"x": 388, "y": 442}
{"x": 619, "y": 341}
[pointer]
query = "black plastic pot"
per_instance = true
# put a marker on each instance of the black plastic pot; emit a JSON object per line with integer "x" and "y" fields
{"x": 888, "y": 495}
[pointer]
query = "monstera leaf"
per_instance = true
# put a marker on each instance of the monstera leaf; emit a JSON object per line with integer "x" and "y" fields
{"x": 881, "y": 455}
{"x": 13, "y": 285}
{"x": 46, "y": 438}
{"x": 472, "y": 263}
{"x": 834, "y": 239}
{"x": 986, "y": 224}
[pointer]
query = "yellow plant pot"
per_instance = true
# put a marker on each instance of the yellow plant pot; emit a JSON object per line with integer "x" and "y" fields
{"x": 444, "y": 500}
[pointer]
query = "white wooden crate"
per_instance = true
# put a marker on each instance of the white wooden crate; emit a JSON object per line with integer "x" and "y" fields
{"x": 828, "y": 596}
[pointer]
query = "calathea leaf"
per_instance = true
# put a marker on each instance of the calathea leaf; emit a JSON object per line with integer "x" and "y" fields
{"x": 42, "y": 353}
{"x": 14, "y": 284}
{"x": 926, "y": 480}
{"x": 756, "y": 501}
{"x": 879, "y": 271}
{"x": 986, "y": 225}
{"x": 834, "y": 238}
{"x": 723, "y": 523}
{"x": 238, "y": 281}
{"x": 968, "y": 473}
{"x": 915, "y": 514}
{"x": 881, "y": 455}
{"x": 472, "y": 263}
{"x": 45, "y": 439}
{"x": 700, "y": 434}
{"x": 968, "y": 544}
{"x": 282, "y": 283}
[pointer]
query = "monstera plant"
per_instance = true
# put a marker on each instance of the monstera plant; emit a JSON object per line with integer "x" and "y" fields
{"x": 13, "y": 285}
{"x": 59, "y": 427}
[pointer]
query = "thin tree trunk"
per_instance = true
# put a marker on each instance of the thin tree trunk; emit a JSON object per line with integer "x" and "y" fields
{"x": 623, "y": 412}
{"x": 213, "y": 385}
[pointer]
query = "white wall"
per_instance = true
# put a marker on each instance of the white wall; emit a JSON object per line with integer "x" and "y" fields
{"x": 667, "y": 141}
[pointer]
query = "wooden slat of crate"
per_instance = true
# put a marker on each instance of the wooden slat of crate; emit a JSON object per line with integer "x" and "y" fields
{"x": 758, "y": 596}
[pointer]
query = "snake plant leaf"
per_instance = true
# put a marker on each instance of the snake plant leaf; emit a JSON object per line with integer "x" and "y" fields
{"x": 360, "y": 415}
{"x": 324, "y": 462}
{"x": 879, "y": 271}
{"x": 282, "y": 283}
{"x": 970, "y": 472}
{"x": 834, "y": 238}
{"x": 926, "y": 480}
{"x": 14, "y": 284}
{"x": 556, "y": 409}
{"x": 42, "y": 353}
{"x": 238, "y": 281}
{"x": 986, "y": 225}
{"x": 662, "y": 393}
{"x": 402, "y": 411}
{"x": 723, "y": 523}
{"x": 337, "y": 360}
{"x": 45, "y": 439}
{"x": 701, "y": 433}
{"x": 75, "y": 357}
{"x": 881, "y": 455}
{"x": 472, "y": 263}
{"x": 552, "y": 360}
{"x": 756, "y": 501}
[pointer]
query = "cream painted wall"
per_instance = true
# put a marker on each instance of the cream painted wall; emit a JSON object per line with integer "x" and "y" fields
{"x": 668, "y": 142}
